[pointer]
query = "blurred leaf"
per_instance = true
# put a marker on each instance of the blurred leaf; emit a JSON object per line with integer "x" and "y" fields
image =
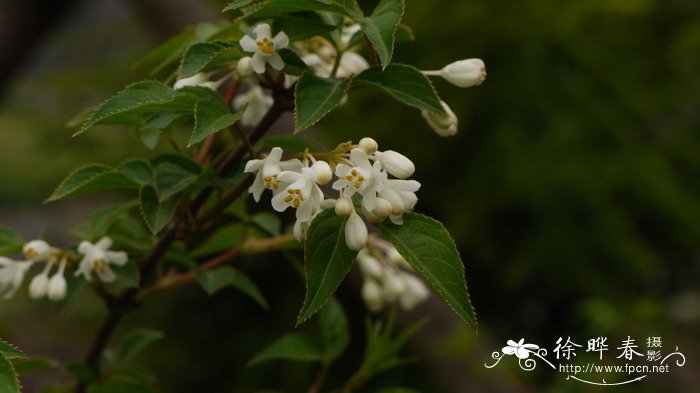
{"x": 381, "y": 349}
{"x": 405, "y": 83}
{"x": 291, "y": 346}
{"x": 236, "y": 4}
{"x": 136, "y": 341}
{"x": 404, "y": 33}
{"x": 171, "y": 179}
{"x": 429, "y": 248}
{"x": 118, "y": 385}
{"x": 10, "y": 241}
{"x": 91, "y": 178}
{"x": 244, "y": 284}
{"x": 156, "y": 215}
{"x": 215, "y": 280}
{"x": 167, "y": 54}
{"x": 301, "y": 26}
{"x": 80, "y": 371}
{"x": 127, "y": 276}
{"x": 335, "y": 331}
{"x": 212, "y": 117}
{"x": 8, "y": 377}
{"x": 268, "y": 222}
{"x": 183, "y": 162}
{"x": 380, "y": 27}
{"x": 9, "y": 351}
{"x": 293, "y": 65}
{"x": 205, "y": 55}
{"x": 30, "y": 365}
{"x": 223, "y": 239}
{"x": 327, "y": 259}
{"x": 139, "y": 170}
{"x": 315, "y": 97}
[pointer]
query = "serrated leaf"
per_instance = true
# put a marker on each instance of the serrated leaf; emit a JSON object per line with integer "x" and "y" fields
{"x": 380, "y": 27}
{"x": 204, "y": 55}
{"x": 315, "y": 97}
{"x": 335, "y": 331}
{"x": 223, "y": 239}
{"x": 136, "y": 341}
{"x": 301, "y": 26}
{"x": 404, "y": 83}
{"x": 139, "y": 170}
{"x": 129, "y": 105}
{"x": 236, "y": 4}
{"x": 291, "y": 346}
{"x": 276, "y": 7}
{"x": 327, "y": 259}
{"x": 91, "y": 178}
{"x": 10, "y": 241}
{"x": 293, "y": 64}
{"x": 171, "y": 179}
{"x": 212, "y": 117}
{"x": 428, "y": 247}
{"x": 9, "y": 351}
{"x": 156, "y": 215}
{"x": 181, "y": 161}
{"x": 28, "y": 366}
{"x": 8, "y": 377}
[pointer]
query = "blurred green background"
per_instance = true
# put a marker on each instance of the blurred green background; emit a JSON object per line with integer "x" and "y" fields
{"x": 572, "y": 190}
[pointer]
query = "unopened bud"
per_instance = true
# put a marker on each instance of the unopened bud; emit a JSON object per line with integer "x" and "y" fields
{"x": 397, "y": 164}
{"x": 368, "y": 145}
{"x": 383, "y": 208}
{"x": 443, "y": 125}
{"x": 344, "y": 207}
{"x": 355, "y": 232}
{"x": 322, "y": 172}
{"x": 372, "y": 295}
{"x": 465, "y": 73}
{"x": 244, "y": 68}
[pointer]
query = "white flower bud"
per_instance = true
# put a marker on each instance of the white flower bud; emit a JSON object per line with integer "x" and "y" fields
{"x": 383, "y": 208}
{"x": 369, "y": 265}
{"x": 465, "y": 73}
{"x": 244, "y": 68}
{"x": 57, "y": 287}
{"x": 372, "y": 295}
{"x": 368, "y": 145}
{"x": 394, "y": 286}
{"x": 415, "y": 293}
{"x": 396, "y": 164}
{"x": 200, "y": 79}
{"x": 443, "y": 125}
{"x": 355, "y": 232}
{"x": 39, "y": 285}
{"x": 344, "y": 207}
{"x": 322, "y": 172}
{"x": 37, "y": 250}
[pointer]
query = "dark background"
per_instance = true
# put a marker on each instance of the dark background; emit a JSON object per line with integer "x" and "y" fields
{"x": 571, "y": 188}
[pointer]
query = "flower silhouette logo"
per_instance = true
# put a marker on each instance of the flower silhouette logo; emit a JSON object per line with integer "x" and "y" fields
{"x": 519, "y": 349}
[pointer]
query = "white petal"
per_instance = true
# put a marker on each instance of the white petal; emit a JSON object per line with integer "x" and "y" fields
{"x": 253, "y": 165}
{"x": 257, "y": 188}
{"x": 281, "y": 40}
{"x": 262, "y": 30}
{"x": 276, "y": 61}
{"x": 278, "y": 202}
{"x": 258, "y": 63}
{"x": 291, "y": 165}
{"x": 104, "y": 244}
{"x": 107, "y": 275}
{"x": 119, "y": 258}
{"x": 248, "y": 44}
{"x": 508, "y": 350}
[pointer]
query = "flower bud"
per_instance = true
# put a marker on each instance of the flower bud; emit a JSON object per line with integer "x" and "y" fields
{"x": 37, "y": 250}
{"x": 396, "y": 164}
{"x": 200, "y": 79}
{"x": 383, "y": 208}
{"x": 39, "y": 285}
{"x": 322, "y": 172}
{"x": 465, "y": 73}
{"x": 244, "y": 68}
{"x": 57, "y": 287}
{"x": 368, "y": 145}
{"x": 369, "y": 265}
{"x": 355, "y": 232}
{"x": 443, "y": 125}
{"x": 372, "y": 295}
{"x": 415, "y": 293}
{"x": 394, "y": 286}
{"x": 344, "y": 207}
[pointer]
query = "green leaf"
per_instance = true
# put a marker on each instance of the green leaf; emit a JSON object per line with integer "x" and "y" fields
{"x": 381, "y": 349}
{"x": 129, "y": 105}
{"x": 236, "y": 4}
{"x": 302, "y": 26}
{"x": 293, "y": 64}
{"x": 115, "y": 384}
{"x": 275, "y": 7}
{"x": 8, "y": 377}
{"x": 291, "y": 346}
{"x": 246, "y": 286}
{"x": 327, "y": 259}
{"x": 315, "y": 97}
{"x": 215, "y": 280}
{"x": 428, "y": 247}
{"x": 223, "y": 239}
{"x": 205, "y": 55}
{"x": 9, "y": 351}
{"x": 405, "y": 33}
{"x": 80, "y": 371}
{"x": 91, "y": 178}
{"x": 212, "y": 117}
{"x": 268, "y": 222}
{"x": 139, "y": 170}
{"x": 404, "y": 83}
{"x": 380, "y": 27}
{"x": 335, "y": 331}
{"x": 31, "y": 365}
{"x": 171, "y": 179}
{"x": 181, "y": 161}
{"x": 136, "y": 341}
{"x": 10, "y": 241}
{"x": 156, "y": 215}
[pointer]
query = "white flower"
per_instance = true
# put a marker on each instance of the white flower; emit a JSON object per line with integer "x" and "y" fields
{"x": 414, "y": 293}
{"x": 302, "y": 194}
{"x": 355, "y": 232}
{"x": 357, "y": 178}
{"x": 40, "y": 283}
{"x": 97, "y": 257}
{"x": 200, "y": 79}
{"x": 11, "y": 275}
{"x": 522, "y": 351}
{"x": 463, "y": 73}
{"x": 443, "y": 125}
{"x": 57, "y": 284}
{"x": 396, "y": 164}
{"x": 401, "y": 194}
{"x": 268, "y": 170}
{"x": 37, "y": 250}
{"x": 258, "y": 105}
{"x": 265, "y": 48}
{"x": 369, "y": 265}
{"x": 372, "y": 295}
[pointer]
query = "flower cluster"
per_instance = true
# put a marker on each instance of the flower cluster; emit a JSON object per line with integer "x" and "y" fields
{"x": 96, "y": 258}
{"x": 388, "y": 278}
{"x": 362, "y": 172}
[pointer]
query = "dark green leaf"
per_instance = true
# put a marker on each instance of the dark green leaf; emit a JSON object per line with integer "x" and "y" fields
{"x": 268, "y": 222}
{"x": 292, "y": 346}
{"x": 210, "y": 118}
{"x": 223, "y": 239}
{"x": 275, "y": 7}
{"x": 10, "y": 241}
{"x": 28, "y": 366}
{"x": 244, "y": 284}
{"x": 236, "y": 4}
{"x": 302, "y": 26}
{"x": 181, "y": 161}
{"x": 205, "y": 55}
{"x": 9, "y": 351}
{"x": 428, "y": 247}
{"x": 171, "y": 179}
{"x": 405, "y": 33}
{"x": 403, "y": 82}
{"x": 327, "y": 259}
{"x": 91, "y": 178}
{"x": 136, "y": 341}
{"x": 156, "y": 215}
{"x": 8, "y": 377}
{"x": 380, "y": 27}
{"x": 80, "y": 371}
{"x": 335, "y": 331}
{"x": 215, "y": 280}
{"x": 293, "y": 65}
{"x": 315, "y": 97}
{"x": 138, "y": 170}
